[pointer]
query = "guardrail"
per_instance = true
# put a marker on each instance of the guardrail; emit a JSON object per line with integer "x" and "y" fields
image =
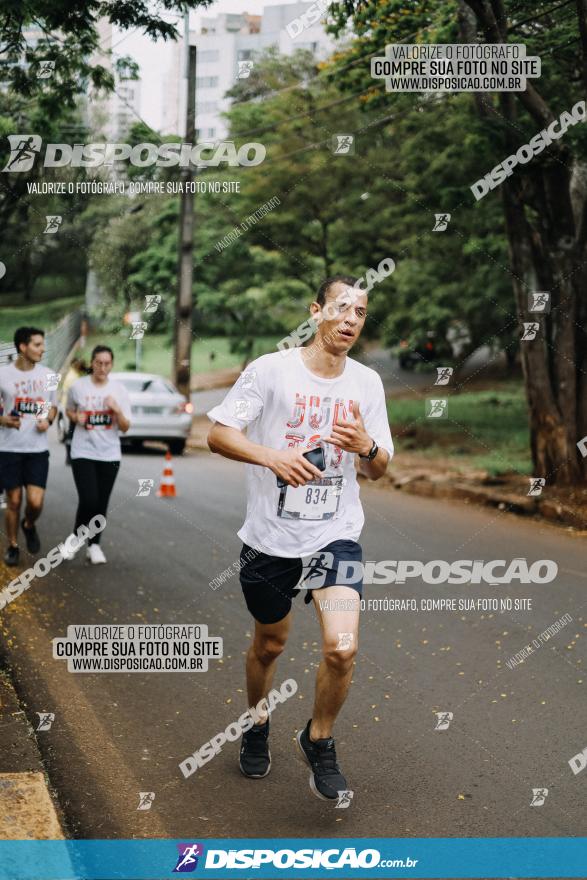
{"x": 59, "y": 341}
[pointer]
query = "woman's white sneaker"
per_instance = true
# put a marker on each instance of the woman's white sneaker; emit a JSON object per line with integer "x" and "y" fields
{"x": 70, "y": 547}
{"x": 95, "y": 554}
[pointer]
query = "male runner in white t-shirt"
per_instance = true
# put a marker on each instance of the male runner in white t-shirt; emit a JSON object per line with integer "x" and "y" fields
{"x": 290, "y": 402}
{"x": 28, "y": 396}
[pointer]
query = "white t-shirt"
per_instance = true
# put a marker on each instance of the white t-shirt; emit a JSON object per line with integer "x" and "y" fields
{"x": 283, "y": 404}
{"x": 101, "y": 439}
{"x": 30, "y": 392}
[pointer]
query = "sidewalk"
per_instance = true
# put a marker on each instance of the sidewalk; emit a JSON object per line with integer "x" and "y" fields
{"x": 435, "y": 478}
{"x": 27, "y": 810}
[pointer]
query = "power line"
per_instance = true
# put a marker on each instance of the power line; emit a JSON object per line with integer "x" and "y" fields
{"x": 323, "y": 107}
{"x": 126, "y": 36}
{"x": 309, "y": 79}
{"x": 519, "y": 24}
{"x": 303, "y": 115}
{"x": 274, "y": 126}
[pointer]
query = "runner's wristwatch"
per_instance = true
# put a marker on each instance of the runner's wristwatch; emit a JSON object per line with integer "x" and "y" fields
{"x": 372, "y": 452}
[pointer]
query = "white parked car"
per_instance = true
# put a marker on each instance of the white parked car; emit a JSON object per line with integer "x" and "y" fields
{"x": 159, "y": 411}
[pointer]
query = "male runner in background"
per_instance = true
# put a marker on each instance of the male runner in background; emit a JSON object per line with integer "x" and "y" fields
{"x": 28, "y": 400}
{"x": 290, "y": 402}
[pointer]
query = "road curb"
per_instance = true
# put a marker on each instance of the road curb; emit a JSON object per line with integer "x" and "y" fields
{"x": 488, "y": 496}
{"x": 441, "y": 487}
{"x": 28, "y": 810}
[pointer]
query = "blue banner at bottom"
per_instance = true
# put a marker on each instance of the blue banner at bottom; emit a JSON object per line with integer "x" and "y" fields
{"x": 507, "y": 857}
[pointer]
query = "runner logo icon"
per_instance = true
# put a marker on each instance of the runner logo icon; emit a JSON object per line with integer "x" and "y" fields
{"x": 244, "y": 69}
{"x": 344, "y": 800}
{"x": 46, "y": 719}
{"x": 441, "y": 222}
{"x": 242, "y": 408}
{"x": 539, "y": 301}
{"x": 46, "y": 70}
{"x": 23, "y": 151}
{"x": 539, "y": 795}
{"x": 537, "y": 484}
{"x": 345, "y": 641}
{"x": 52, "y": 223}
{"x": 247, "y": 379}
{"x": 444, "y": 375}
{"x": 315, "y": 569}
{"x": 187, "y": 861}
{"x": 145, "y": 486}
{"x": 52, "y": 381}
{"x": 152, "y": 301}
{"x": 444, "y": 719}
{"x": 43, "y": 410}
{"x": 146, "y": 799}
{"x": 437, "y": 409}
{"x": 138, "y": 329}
{"x": 343, "y": 144}
{"x": 531, "y": 328}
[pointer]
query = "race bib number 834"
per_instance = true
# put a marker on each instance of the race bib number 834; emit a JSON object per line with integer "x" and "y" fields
{"x": 317, "y": 500}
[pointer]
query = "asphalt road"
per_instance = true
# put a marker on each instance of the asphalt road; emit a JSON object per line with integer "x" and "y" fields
{"x": 116, "y": 735}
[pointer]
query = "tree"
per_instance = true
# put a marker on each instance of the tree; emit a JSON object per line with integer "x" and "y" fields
{"x": 543, "y": 204}
{"x": 71, "y": 41}
{"x": 65, "y": 34}
{"x": 321, "y": 225}
{"x": 27, "y": 251}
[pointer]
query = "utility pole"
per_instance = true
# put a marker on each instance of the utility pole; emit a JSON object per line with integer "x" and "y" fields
{"x": 183, "y": 307}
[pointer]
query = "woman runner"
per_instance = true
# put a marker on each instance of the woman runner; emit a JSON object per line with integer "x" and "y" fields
{"x": 100, "y": 409}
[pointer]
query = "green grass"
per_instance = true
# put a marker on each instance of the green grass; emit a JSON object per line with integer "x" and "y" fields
{"x": 157, "y": 352}
{"x": 43, "y": 315}
{"x": 484, "y": 429}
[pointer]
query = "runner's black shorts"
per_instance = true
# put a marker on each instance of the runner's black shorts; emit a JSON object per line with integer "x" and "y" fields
{"x": 269, "y": 582}
{"x": 23, "y": 469}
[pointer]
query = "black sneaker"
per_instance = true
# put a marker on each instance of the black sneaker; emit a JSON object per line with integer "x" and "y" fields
{"x": 326, "y": 780}
{"x": 33, "y": 544}
{"x": 255, "y": 757}
{"x": 12, "y": 555}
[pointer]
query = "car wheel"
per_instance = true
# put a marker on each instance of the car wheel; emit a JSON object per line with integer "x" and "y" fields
{"x": 176, "y": 447}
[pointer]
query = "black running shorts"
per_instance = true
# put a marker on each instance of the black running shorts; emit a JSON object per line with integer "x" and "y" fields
{"x": 23, "y": 469}
{"x": 269, "y": 582}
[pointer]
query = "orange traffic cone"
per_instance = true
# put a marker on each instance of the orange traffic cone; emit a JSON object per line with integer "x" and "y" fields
{"x": 167, "y": 486}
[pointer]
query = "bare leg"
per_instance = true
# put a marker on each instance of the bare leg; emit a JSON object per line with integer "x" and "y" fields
{"x": 13, "y": 500}
{"x": 268, "y": 643}
{"x": 34, "y": 504}
{"x": 340, "y": 631}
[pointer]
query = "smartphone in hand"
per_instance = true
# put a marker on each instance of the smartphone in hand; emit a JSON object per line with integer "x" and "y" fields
{"x": 315, "y": 456}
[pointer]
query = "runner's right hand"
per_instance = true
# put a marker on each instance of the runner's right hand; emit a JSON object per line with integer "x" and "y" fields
{"x": 81, "y": 419}
{"x": 291, "y": 466}
{"x": 10, "y": 421}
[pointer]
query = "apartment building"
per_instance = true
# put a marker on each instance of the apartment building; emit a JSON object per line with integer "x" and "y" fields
{"x": 225, "y": 44}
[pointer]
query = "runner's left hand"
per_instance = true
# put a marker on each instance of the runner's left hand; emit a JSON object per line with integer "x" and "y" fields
{"x": 351, "y": 436}
{"x": 42, "y": 425}
{"x": 111, "y": 404}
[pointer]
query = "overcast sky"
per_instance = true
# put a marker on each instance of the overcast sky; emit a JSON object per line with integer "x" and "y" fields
{"x": 154, "y": 58}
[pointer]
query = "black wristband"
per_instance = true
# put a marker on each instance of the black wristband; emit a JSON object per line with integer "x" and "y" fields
{"x": 372, "y": 453}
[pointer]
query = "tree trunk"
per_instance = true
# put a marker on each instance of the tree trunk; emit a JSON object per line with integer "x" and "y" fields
{"x": 547, "y": 254}
{"x": 548, "y": 360}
